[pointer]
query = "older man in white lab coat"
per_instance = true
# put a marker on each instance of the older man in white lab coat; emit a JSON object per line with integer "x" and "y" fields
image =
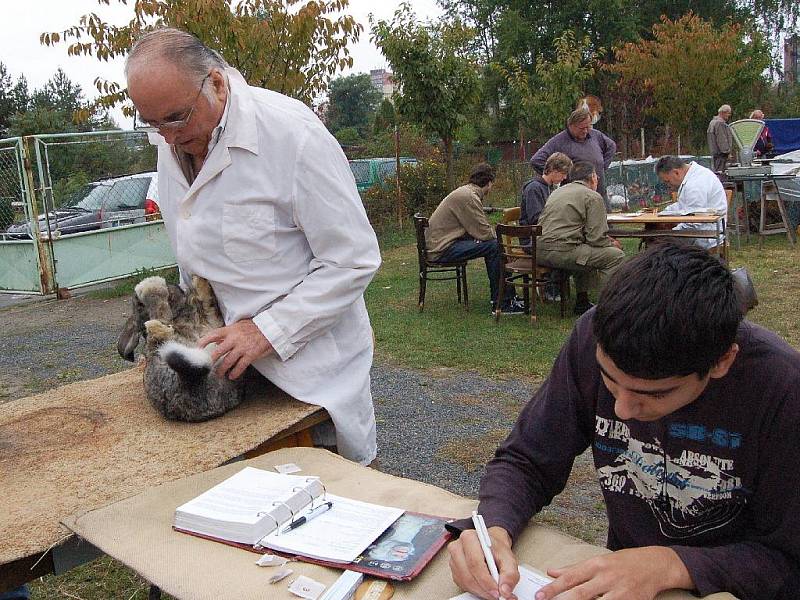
{"x": 258, "y": 198}
{"x": 699, "y": 191}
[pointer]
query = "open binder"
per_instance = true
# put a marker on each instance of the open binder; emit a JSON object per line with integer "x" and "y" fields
{"x": 253, "y": 508}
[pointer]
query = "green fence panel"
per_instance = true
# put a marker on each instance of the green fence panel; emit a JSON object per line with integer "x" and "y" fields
{"x": 18, "y": 268}
{"x": 91, "y": 257}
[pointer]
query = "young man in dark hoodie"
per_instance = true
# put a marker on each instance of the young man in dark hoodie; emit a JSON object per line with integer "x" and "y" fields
{"x": 536, "y": 190}
{"x": 692, "y": 415}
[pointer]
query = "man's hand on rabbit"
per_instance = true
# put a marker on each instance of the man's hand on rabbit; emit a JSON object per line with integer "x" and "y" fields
{"x": 240, "y": 343}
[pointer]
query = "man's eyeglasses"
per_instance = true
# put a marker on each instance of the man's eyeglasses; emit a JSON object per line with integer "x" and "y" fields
{"x": 171, "y": 126}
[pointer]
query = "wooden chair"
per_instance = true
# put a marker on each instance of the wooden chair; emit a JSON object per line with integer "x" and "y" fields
{"x": 437, "y": 271}
{"x": 520, "y": 268}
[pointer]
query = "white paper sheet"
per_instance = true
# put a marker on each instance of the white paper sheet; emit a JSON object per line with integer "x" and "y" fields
{"x": 530, "y": 582}
{"x": 339, "y": 534}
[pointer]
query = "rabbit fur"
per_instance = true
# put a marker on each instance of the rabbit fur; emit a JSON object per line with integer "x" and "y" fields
{"x": 179, "y": 379}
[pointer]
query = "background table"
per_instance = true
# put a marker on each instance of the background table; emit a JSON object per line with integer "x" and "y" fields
{"x": 138, "y": 532}
{"x": 90, "y": 443}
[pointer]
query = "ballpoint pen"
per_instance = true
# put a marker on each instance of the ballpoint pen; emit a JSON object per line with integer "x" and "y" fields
{"x": 486, "y": 544}
{"x": 313, "y": 513}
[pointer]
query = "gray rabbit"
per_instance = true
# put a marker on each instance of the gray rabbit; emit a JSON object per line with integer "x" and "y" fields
{"x": 179, "y": 378}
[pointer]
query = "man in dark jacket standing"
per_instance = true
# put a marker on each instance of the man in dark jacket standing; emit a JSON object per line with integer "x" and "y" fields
{"x": 720, "y": 138}
{"x": 580, "y": 141}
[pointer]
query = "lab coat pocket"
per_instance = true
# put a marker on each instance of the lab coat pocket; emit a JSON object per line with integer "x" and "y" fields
{"x": 248, "y": 231}
{"x": 320, "y": 355}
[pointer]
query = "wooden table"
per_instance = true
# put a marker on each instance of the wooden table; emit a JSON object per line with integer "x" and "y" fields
{"x": 138, "y": 532}
{"x": 645, "y": 226}
{"x": 88, "y": 444}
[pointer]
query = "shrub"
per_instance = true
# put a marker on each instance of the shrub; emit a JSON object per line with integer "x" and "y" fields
{"x": 422, "y": 188}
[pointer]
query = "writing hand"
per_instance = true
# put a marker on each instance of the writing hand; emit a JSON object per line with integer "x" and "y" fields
{"x": 468, "y": 565}
{"x": 632, "y": 574}
{"x": 240, "y": 343}
{"x": 616, "y": 243}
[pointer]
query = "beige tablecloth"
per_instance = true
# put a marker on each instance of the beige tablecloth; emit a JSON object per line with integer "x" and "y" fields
{"x": 137, "y": 531}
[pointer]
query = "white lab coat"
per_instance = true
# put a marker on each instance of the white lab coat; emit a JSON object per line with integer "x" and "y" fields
{"x": 274, "y": 222}
{"x": 700, "y": 191}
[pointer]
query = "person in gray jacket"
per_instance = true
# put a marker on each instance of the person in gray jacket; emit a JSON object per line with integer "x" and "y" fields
{"x": 580, "y": 141}
{"x": 720, "y": 138}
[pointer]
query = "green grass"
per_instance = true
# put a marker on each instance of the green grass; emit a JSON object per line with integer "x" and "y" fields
{"x": 445, "y": 335}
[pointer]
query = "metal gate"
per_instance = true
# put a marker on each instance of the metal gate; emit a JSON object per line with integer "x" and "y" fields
{"x": 87, "y": 211}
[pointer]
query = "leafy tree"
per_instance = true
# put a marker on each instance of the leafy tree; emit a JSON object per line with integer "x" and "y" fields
{"x": 385, "y": 117}
{"x": 275, "y": 44}
{"x": 20, "y": 95}
{"x": 434, "y": 69}
{"x": 6, "y": 98}
{"x": 348, "y": 136}
{"x": 546, "y": 99}
{"x": 351, "y": 102}
{"x": 688, "y": 67}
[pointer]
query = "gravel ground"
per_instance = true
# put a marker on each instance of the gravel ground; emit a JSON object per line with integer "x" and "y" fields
{"x": 436, "y": 426}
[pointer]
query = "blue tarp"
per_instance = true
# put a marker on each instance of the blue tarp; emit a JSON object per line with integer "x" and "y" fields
{"x": 785, "y": 134}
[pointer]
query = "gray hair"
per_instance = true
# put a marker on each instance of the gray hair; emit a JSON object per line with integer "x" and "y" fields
{"x": 724, "y": 108}
{"x": 578, "y": 115}
{"x": 582, "y": 170}
{"x": 665, "y": 164}
{"x": 177, "y": 48}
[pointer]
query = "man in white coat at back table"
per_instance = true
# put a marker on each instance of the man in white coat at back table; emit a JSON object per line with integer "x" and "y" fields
{"x": 699, "y": 191}
{"x": 258, "y": 198}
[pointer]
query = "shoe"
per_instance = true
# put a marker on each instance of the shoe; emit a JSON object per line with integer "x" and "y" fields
{"x": 581, "y": 308}
{"x": 512, "y": 307}
{"x": 551, "y": 296}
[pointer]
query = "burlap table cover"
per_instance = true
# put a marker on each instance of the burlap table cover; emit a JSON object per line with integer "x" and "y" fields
{"x": 137, "y": 531}
{"x": 90, "y": 443}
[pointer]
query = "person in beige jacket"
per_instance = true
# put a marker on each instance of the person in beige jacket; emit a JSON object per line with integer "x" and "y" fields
{"x": 575, "y": 234}
{"x": 459, "y": 230}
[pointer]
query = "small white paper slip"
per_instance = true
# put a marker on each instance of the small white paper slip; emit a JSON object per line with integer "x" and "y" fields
{"x": 288, "y": 468}
{"x": 530, "y": 582}
{"x": 270, "y": 560}
{"x": 344, "y": 588}
{"x": 282, "y": 574}
{"x": 305, "y": 587}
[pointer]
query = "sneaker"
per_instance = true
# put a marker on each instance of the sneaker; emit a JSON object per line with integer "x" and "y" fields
{"x": 581, "y": 308}
{"x": 551, "y": 296}
{"x": 513, "y": 307}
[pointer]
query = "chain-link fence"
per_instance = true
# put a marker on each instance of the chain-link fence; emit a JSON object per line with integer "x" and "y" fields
{"x": 94, "y": 181}
{"x": 93, "y": 215}
{"x": 12, "y": 194}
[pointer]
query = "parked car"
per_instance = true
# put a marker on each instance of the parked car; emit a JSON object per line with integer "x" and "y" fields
{"x": 373, "y": 171}
{"x": 100, "y": 204}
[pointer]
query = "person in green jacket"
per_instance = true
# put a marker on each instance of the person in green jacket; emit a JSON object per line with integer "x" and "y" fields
{"x": 575, "y": 234}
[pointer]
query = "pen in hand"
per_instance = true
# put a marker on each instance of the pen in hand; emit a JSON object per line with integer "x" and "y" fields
{"x": 312, "y": 514}
{"x": 486, "y": 544}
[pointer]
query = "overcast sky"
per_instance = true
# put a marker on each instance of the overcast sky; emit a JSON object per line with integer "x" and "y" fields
{"x": 25, "y": 20}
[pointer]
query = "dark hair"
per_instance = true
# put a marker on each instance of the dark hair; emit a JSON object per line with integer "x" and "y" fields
{"x": 582, "y": 170}
{"x": 668, "y": 312}
{"x": 481, "y": 174}
{"x": 665, "y": 164}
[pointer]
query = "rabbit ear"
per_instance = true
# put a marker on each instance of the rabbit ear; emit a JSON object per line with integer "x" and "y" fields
{"x": 129, "y": 338}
